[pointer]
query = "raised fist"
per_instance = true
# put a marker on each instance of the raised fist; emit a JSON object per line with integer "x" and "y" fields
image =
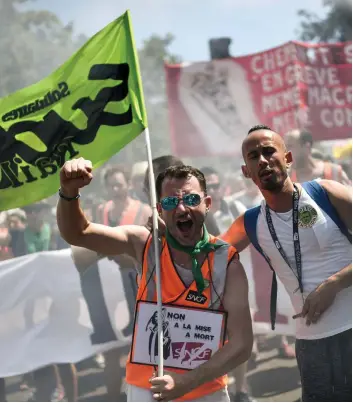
{"x": 75, "y": 174}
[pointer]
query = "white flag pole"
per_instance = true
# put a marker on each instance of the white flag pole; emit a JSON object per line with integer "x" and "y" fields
{"x": 153, "y": 200}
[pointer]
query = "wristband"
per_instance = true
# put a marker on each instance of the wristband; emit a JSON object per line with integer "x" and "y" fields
{"x": 61, "y": 194}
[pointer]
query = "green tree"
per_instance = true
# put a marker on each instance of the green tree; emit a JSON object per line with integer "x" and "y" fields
{"x": 32, "y": 44}
{"x": 335, "y": 27}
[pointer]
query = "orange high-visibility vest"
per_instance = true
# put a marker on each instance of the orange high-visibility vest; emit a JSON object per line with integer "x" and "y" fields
{"x": 131, "y": 215}
{"x": 174, "y": 291}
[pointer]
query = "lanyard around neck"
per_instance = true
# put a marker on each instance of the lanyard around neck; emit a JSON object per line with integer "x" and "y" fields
{"x": 296, "y": 241}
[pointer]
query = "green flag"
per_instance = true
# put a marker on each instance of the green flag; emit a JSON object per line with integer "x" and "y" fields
{"x": 91, "y": 107}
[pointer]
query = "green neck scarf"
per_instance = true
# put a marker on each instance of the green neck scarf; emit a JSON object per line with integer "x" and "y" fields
{"x": 203, "y": 246}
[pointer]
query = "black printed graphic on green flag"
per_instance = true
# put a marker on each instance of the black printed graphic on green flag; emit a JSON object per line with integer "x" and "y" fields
{"x": 91, "y": 107}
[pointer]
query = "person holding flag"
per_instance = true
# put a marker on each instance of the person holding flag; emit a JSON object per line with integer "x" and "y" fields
{"x": 93, "y": 106}
{"x": 194, "y": 266}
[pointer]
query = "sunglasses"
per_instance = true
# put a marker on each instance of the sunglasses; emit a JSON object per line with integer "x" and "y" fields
{"x": 171, "y": 202}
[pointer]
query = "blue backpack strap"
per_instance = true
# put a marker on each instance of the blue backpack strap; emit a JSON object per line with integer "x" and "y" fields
{"x": 320, "y": 196}
{"x": 250, "y": 223}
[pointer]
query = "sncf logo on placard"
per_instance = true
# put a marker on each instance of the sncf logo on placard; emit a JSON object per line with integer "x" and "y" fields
{"x": 190, "y": 351}
{"x": 194, "y": 296}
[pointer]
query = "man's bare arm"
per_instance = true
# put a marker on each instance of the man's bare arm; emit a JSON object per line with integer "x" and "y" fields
{"x": 77, "y": 230}
{"x": 239, "y": 331}
{"x": 341, "y": 198}
{"x": 344, "y": 178}
{"x": 84, "y": 258}
{"x": 236, "y": 235}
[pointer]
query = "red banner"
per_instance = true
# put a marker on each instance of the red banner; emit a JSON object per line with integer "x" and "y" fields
{"x": 213, "y": 104}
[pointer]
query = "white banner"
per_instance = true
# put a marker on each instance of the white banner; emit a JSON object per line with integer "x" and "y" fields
{"x": 51, "y": 314}
{"x": 48, "y": 314}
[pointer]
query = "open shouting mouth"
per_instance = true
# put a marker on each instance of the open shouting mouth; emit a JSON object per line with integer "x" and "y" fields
{"x": 184, "y": 225}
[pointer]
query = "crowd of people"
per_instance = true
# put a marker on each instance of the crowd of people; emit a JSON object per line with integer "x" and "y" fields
{"x": 124, "y": 200}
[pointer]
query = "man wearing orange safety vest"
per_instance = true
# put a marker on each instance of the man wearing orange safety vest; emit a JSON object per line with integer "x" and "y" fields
{"x": 204, "y": 288}
{"x": 121, "y": 209}
{"x": 307, "y": 168}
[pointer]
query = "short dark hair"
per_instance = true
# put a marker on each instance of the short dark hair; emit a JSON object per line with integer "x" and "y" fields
{"x": 159, "y": 165}
{"x": 180, "y": 172}
{"x": 116, "y": 169}
{"x": 305, "y": 137}
{"x": 259, "y": 127}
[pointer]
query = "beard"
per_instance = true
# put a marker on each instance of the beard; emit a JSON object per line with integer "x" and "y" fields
{"x": 275, "y": 183}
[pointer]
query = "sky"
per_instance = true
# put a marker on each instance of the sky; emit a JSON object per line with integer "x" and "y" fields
{"x": 253, "y": 25}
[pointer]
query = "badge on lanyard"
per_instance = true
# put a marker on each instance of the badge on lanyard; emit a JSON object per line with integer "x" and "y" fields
{"x": 307, "y": 216}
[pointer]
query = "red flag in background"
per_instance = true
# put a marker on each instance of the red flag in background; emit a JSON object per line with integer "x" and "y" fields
{"x": 213, "y": 104}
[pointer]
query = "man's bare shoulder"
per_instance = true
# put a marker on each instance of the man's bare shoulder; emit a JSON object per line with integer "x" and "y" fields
{"x": 236, "y": 234}
{"x": 341, "y": 198}
{"x": 236, "y": 284}
{"x": 335, "y": 188}
{"x": 135, "y": 233}
{"x": 235, "y": 265}
{"x": 110, "y": 241}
